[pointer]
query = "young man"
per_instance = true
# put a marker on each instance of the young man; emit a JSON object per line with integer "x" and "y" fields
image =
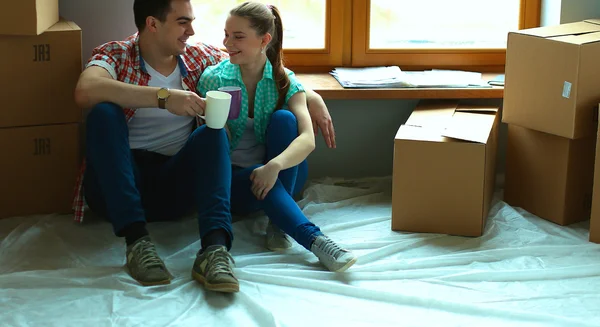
{"x": 146, "y": 157}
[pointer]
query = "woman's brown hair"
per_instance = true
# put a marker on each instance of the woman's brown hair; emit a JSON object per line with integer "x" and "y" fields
{"x": 267, "y": 19}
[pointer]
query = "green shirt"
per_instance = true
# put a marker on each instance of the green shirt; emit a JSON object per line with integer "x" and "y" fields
{"x": 227, "y": 74}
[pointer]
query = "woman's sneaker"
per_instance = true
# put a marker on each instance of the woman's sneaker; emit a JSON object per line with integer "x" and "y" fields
{"x": 331, "y": 255}
{"x": 277, "y": 240}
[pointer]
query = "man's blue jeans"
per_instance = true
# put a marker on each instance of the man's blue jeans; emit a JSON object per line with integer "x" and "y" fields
{"x": 130, "y": 186}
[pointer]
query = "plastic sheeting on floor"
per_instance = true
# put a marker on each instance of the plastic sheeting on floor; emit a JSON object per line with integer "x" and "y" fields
{"x": 524, "y": 271}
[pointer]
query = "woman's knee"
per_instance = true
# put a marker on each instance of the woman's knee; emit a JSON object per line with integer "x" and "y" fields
{"x": 283, "y": 122}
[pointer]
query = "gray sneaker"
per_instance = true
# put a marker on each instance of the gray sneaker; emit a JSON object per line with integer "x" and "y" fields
{"x": 331, "y": 255}
{"x": 213, "y": 268}
{"x": 277, "y": 240}
{"x": 145, "y": 265}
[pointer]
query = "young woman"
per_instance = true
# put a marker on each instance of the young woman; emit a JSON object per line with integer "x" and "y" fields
{"x": 273, "y": 134}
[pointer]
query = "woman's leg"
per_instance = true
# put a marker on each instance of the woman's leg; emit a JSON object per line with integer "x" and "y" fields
{"x": 278, "y": 205}
{"x": 282, "y": 130}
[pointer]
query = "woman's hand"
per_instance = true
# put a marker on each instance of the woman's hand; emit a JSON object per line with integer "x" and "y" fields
{"x": 263, "y": 179}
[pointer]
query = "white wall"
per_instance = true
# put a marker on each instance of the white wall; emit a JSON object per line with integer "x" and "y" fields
{"x": 555, "y": 12}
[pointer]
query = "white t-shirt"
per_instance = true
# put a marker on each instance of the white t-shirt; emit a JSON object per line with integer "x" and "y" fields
{"x": 156, "y": 129}
{"x": 248, "y": 151}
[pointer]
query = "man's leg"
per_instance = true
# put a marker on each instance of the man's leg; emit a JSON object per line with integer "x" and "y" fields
{"x": 200, "y": 175}
{"x": 111, "y": 189}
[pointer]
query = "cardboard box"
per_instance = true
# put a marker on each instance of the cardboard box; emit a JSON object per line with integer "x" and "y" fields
{"x": 552, "y": 79}
{"x": 38, "y": 169}
{"x": 39, "y": 75}
{"x": 595, "y": 215}
{"x": 444, "y": 169}
{"x": 28, "y": 17}
{"x": 549, "y": 176}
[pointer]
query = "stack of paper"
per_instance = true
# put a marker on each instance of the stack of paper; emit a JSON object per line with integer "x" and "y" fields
{"x": 445, "y": 78}
{"x": 382, "y": 77}
{"x": 393, "y": 77}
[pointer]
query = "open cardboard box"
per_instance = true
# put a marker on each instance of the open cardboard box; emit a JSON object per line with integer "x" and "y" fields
{"x": 444, "y": 168}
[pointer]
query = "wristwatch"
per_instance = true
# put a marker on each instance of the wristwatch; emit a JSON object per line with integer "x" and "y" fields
{"x": 162, "y": 95}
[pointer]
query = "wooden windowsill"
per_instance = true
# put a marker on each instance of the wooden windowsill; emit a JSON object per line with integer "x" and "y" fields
{"x": 329, "y": 88}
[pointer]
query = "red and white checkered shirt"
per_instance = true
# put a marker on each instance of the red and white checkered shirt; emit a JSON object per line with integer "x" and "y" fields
{"x": 122, "y": 60}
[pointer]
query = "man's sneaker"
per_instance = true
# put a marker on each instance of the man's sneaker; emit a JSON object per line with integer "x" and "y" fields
{"x": 331, "y": 255}
{"x": 145, "y": 265}
{"x": 277, "y": 240}
{"x": 213, "y": 268}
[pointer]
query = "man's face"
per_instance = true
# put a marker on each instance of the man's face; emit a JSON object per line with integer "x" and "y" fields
{"x": 173, "y": 33}
{"x": 242, "y": 42}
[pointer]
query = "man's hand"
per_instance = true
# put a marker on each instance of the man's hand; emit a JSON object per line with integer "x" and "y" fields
{"x": 263, "y": 178}
{"x": 185, "y": 103}
{"x": 319, "y": 114}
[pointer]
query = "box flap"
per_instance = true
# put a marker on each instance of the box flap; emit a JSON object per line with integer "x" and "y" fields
{"x": 579, "y": 39}
{"x": 448, "y": 122}
{"x": 62, "y": 26}
{"x": 560, "y": 30}
{"x": 471, "y": 123}
{"x": 593, "y": 21}
{"x": 474, "y": 126}
{"x": 432, "y": 114}
{"x": 432, "y": 119}
{"x": 415, "y": 133}
{"x": 477, "y": 109}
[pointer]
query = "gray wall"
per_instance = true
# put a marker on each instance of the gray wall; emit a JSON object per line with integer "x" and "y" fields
{"x": 555, "y": 12}
{"x": 93, "y": 18}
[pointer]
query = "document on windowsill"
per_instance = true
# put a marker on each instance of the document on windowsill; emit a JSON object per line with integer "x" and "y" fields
{"x": 394, "y": 77}
{"x": 374, "y": 77}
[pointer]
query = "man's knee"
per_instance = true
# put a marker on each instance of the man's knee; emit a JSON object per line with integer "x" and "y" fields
{"x": 105, "y": 114}
{"x": 204, "y": 135}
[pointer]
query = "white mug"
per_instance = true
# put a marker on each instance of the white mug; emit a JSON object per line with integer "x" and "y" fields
{"x": 217, "y": 109}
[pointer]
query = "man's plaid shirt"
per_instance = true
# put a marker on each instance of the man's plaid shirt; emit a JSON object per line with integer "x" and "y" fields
{"x": 122, "y": 60}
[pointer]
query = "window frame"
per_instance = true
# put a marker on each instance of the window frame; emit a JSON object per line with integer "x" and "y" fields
{"x": 419, "y": 59}
{"x": 337, "y": 20}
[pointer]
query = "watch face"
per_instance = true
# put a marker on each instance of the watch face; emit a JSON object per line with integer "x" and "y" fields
{"x": 163, "y": 93}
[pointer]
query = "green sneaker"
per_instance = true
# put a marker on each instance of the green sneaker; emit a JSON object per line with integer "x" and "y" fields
{"x": 213, "y": 268}
{"x": 277, "y": 240}
{"x": 145, "y": 265}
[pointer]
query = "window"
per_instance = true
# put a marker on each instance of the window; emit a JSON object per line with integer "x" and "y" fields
{"x": 410, "y": 24}
{"x": 413, "y": 34}
{"x": 423, "y": 34}
{"x": 312, "y": 28}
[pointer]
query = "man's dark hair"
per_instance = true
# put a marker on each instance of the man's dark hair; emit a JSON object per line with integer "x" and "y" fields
{"x": 155, "y": 8}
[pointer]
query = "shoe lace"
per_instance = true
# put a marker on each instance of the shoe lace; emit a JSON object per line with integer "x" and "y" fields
{"x": 148, "y": 257}
{"x": 331, "y": 248}
{"x": 219, "y": 262}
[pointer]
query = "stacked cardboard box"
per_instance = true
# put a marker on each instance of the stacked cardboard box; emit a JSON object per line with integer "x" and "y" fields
{"x": 595, "y": 216}
{"x": 550, "y": 100}
{"x": 39, "y": 120}
{"x": 444, "y": 168}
